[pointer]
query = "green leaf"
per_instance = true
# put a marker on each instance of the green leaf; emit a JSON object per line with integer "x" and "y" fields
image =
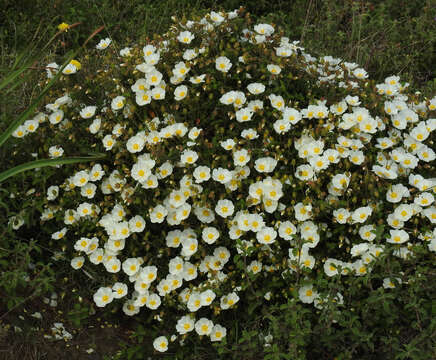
{"x": 46, "y": 162}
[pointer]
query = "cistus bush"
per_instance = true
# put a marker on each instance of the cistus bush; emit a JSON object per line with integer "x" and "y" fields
{"x": 239, "y": 169}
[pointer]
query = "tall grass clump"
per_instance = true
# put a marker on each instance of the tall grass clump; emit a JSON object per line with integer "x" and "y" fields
{"x": 244, "y": 176}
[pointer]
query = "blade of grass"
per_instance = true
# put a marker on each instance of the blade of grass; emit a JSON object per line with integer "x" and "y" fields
{"x": 46, "y": 162}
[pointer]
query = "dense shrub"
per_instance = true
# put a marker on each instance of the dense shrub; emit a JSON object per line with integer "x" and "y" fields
{"x": 243, "y": 173}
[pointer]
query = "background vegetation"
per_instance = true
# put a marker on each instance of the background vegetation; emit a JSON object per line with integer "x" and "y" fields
{"x": 385, "y": 37}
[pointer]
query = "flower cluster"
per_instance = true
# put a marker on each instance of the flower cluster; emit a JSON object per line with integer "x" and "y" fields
{"x": 218, "y": 176}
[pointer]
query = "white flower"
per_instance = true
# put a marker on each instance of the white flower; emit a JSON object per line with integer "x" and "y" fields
{"x": 221, "y": 175}
{"x": 176, "y": 198}
{"x": 361, "y": 214}
{"x": 281, "y": 126}
{"x": 194, "y": 132}
{"x": 197, "y": 79}
{"x": 152, "y": 78}
{"x": 266, "y": 235}
{"x": 201, "y": 174}
{"x": 307, "y": 294}
{"x": 160, "y": 344}
{"x": 140, "y": 171}
{"x": 164, "y": 287}
{"x": 185, "y": 37}
{"x": 287, "y": 230}
{"x": 340, "y": 181}
{"x": 256, "y": 88}
{"x": 157, "y": 214}
{"x": 204, "y": 214}
{"x": 216, "y": 17}
{"x": 210, "y": 235}
{"x": 244, "y": 114}
{"x": 88, "y": 190}
{"x": 264, "y": 29}
{"x": 81, "y": 178}
{"x": 218, "y": 333}
{"x": 255, "y": 267}
{"x": 302, "y": 212}
{"x": 224, "y": 208}
{"x": 108, "y": 142}
{"x": 125, "y": 51}
{"x": 130, "y": 309}
{"x": 274, "y": 69}
{"x": 56, "y": 117}
{"x": 352, "y": 100}
{"x": 366, "y": 232}
{"x": 331, "y": 266}
{"x": 180, "y": 92}
{"x": 359, "y": 249}
{"x": 265, "y": 164}
{"x": 176, "y": 266}
{"x": 119, "y": 290}
{"x": 403, "y": 212}
{"x": 241, "y": 157}
{"x": 113, "y": 265}
{"x": 277, "y": 102}
{"x": 360, "y": 73}
{"x": 304, "y": 172}
{"x": 88, "y": 112}
{"x": 69, "y": 69}
{"x": 398, "y": 237}
{"x": 180, "y": 69}
{"x": 188, "y": 157}
{"x": 227, "y": 144}
{"x": 52, "y": 192}
{"x": 189, "y": 54}
{"x": 20, "y": 132}
{"x": 165, "y": 170}
{"x": 131, "y": 266}
{"x": 203, "y": 326}
{"x": 143, "y": 97}
{"x": 94, "y": 127}
{"x": 59, "y": 234}
{"x": 52, "y": 69}
{"x": 77, "y": 262}
{"x": 103, "y": 44}
{"x": 31, "y": 125}
{"x": 291, "y": 115}
{"x": 189, "y": 271}
{"x": 103, "y": 296}
{"x": 223, "y": 64}
{"x": 158, "y": 93}
{"x": 207, "y": 297}
{"x": 185, "y": 324}
{"x": 396, "y": 193}
{"x": 96, "y": 256}
{"x": 148, "y": 274}
{"x": 389, "y": 284}
{"x": 137, "y": 224}
{"x": 229, "y": 300}
{"x": 222, "y": 254}
{"x": 424, "y": 199}
{"x": 432, "y": 244}
{"x": 118, "y": 103}
{"x": 319, "y": 163}
{"x": 189, "y": 246}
